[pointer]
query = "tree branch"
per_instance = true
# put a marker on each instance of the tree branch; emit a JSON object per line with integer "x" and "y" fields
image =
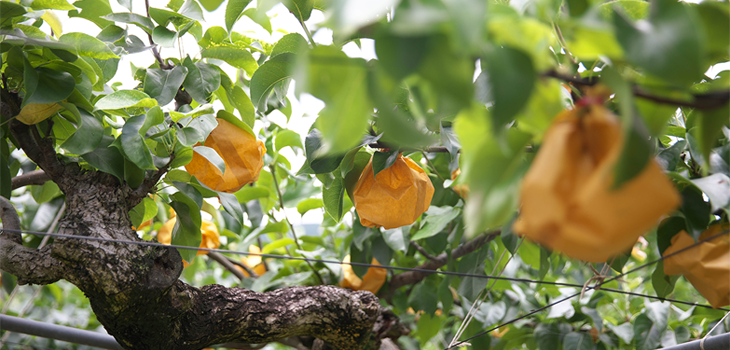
{"x": 423, "y": 251}
{"x": 221, "y": 259}
{"x": 35, "y": 177}
{"x": 10, "y": 220}
{"x": 411, "y": 277}
{"x": 710, "y": 100}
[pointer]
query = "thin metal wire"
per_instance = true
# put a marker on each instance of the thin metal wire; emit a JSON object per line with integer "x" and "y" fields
{"x": 387, "y": 267}
{"x": 595, "y": 287}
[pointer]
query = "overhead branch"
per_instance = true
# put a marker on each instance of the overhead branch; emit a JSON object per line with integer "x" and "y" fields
{"x": 710, "y": 100}
{"x": 221, "y": 259}
{"x": 411, "y": 277}
{"x": 35, "y": 177}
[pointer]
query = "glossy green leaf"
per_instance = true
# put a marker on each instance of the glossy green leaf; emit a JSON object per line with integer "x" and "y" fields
{"x": 635, "y": 156}
{"x": 93, "y": 10}
{"x": 230, "y": 203}
{"x": 88, "y": 135}
{"x": 186, "y": 231}
{"x": 143, "y": 22}
{"x": 288, "y": 138}
{"x": 133, "y": 145}
{"x": 383, "y": 160}
{"x": 162, "y": 85}
{"x": 436, "y": 219}
{"x": 87, "y": 45}
{"x": 319, "y": 164}
{"x": 717, "y": 188}
{"x": 211, "y": 5}
{"x": 51, "y": 4}
{"x": 234, "y": 9}
{"x": 578, "y": 341}
{"x": 8, "y": 10}
{"x": 46, "y": 192}
{"x": 107, "y": 159}
{"x": 272, "y": 72}
{"x": 43, "y": 85}
{"x": 145, "y": 210}
{"x": 696, "y": 211}
{"x": 309, "y": 204}
{"x": 201, "y": 81}
{"x": 332, "y": 197}
{"x": 164, "y": 37}
{"x": 663, "y": 284}
{"x": 472, "y": 263}
{"x": 301, "y": 9}
{"x": 248, "y": 193}
{"x": 290, "y": 43}
{"x": 233, "y": 55}
{"x": 424, "y": 296}
{"x": 212, "y": 156}
{"x": 125, "y": 99}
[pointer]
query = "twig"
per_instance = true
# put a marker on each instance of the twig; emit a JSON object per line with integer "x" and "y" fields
{"x": 433, "y": 167}
{"x": 709, "y": 100}
{"x": 149, "y": 183}
{"x": 291, "y": 227}
{"x": 411, "y": 277}
{"x": 423, "y": 251}
{"x": 221, "y": 259}
{"x": 35, "y": 177}
{"x": 156, "y": 53}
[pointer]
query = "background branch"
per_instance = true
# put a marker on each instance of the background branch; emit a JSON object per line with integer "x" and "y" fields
{"x": 35, "y": 177}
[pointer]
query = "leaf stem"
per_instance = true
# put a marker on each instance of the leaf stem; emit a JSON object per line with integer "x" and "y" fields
{"x": 306, "y": 31}
{"x": 286, "y": 218}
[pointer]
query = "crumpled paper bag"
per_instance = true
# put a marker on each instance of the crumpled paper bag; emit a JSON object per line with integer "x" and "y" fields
{"x": 706, "y": 266}
{"x": 371, "y": 281}
{"x": 396, "y": 197}
{"x": 568, "y": 203}
{"x": 242, "y": 153}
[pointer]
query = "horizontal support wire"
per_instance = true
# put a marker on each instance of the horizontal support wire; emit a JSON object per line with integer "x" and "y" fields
{"x": 597, "y": 286}
{"x": 594, "y": 287}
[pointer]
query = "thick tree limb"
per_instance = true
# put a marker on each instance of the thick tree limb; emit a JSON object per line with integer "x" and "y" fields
{"x": 35, "y": 177}
{"x": 10, "y": 220}
{"x": 35, "y": 266}
{"x": 411, "y": 277}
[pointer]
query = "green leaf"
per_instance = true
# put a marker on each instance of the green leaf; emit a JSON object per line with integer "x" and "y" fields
{"x": 696, "y": 211}
{"x": 162, "y": 84}
{"x": 472, "y": 263}
{"x": 230, "y": 203}
{"x": 8, "y": 10}
{"x": 88, "y": 135}
{"x": 397, "y": 238}
{"x": 401, "y": 56}
{"x": 212, "y": 156}
{"x": 108, "y": 160}
{"x": 248, "y": 193}
{"x": 635, "y": 156}
{"x": 211, "y": 5}
{"x": 708, "y": 127}
{"x": 383, "y": 160}
{"x": 288, "y": 138}
{"x": 201, "y": 81}
{"x": 279, "y": 243}
{"x": 231, "y": 118}
{"x": 290, "y": 43}
{"x": 234, "y": 9}
{"x": 143, "y": 22}
{"x": 333, "y": 196}
{"x": 186, "y": 231}
{"x": 233, "y": 55}
{"x": 717, "y": 188}
{"x": 164, "y": 37}
{"x": 512, "y": 77}
{"x": 547, "y": 336}
{"x": 427, "y": 326}
{"x": 275, "y": 71}
{"x": 625, "y": 331}
{"x": 343, "y": 88}
{"x": 669, "y": 46}
{"x": 578, "y": 341}
{"x": 87, "y": 45}
{"x": 670, "y": 157}
{"x": 145, "y": 210}
{"x": 191, "y": 192}
{"x": 435, "y": 221}
{"x": 319, "y": 164}
{"x": 667, "y": 229}
{"x": 663, "y": 284}
{"x": 51, "y": 4}
{"x": 94, "y": 11}
{"x": 309, "y": 204}
{"x": 191, "y": 9}
{"x": 133, "y": 145}
{"x": 125, "y": 99}
{"x": 424, "y": 296}
{"x": 301, "y": 9}
{"x": 646, "y": 335}
{"x": 43, "y": 85}
{"x": 243, "y": 104}
{"x": 45, "y": 192}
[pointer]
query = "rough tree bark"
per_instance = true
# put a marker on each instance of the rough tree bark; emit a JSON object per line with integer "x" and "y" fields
{"x": 134, "y": 290}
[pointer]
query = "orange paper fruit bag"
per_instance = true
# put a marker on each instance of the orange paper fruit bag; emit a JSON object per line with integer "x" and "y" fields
{"x": 397, "y": 196}
{"x": 241, "y": 152}
{"x": 371, "y": 281}
{"x": 568, "y": 203}
{"x": 706, "y": 266}
{"x": 210, "y": 236}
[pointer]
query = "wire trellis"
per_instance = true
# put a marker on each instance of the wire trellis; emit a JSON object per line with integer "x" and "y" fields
{"x": 597, "y": 286}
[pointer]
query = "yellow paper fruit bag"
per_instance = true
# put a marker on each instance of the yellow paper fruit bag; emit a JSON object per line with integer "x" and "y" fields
{"x": 241, "y": 152}
{"x": 253, "y": 261}
{"x": 397, "y": 196}
{"x": 568, "y": 203}
{"x": 706, "y": 266}
{"x": 210, "y": 236}
{"x": 371, "y": 281}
